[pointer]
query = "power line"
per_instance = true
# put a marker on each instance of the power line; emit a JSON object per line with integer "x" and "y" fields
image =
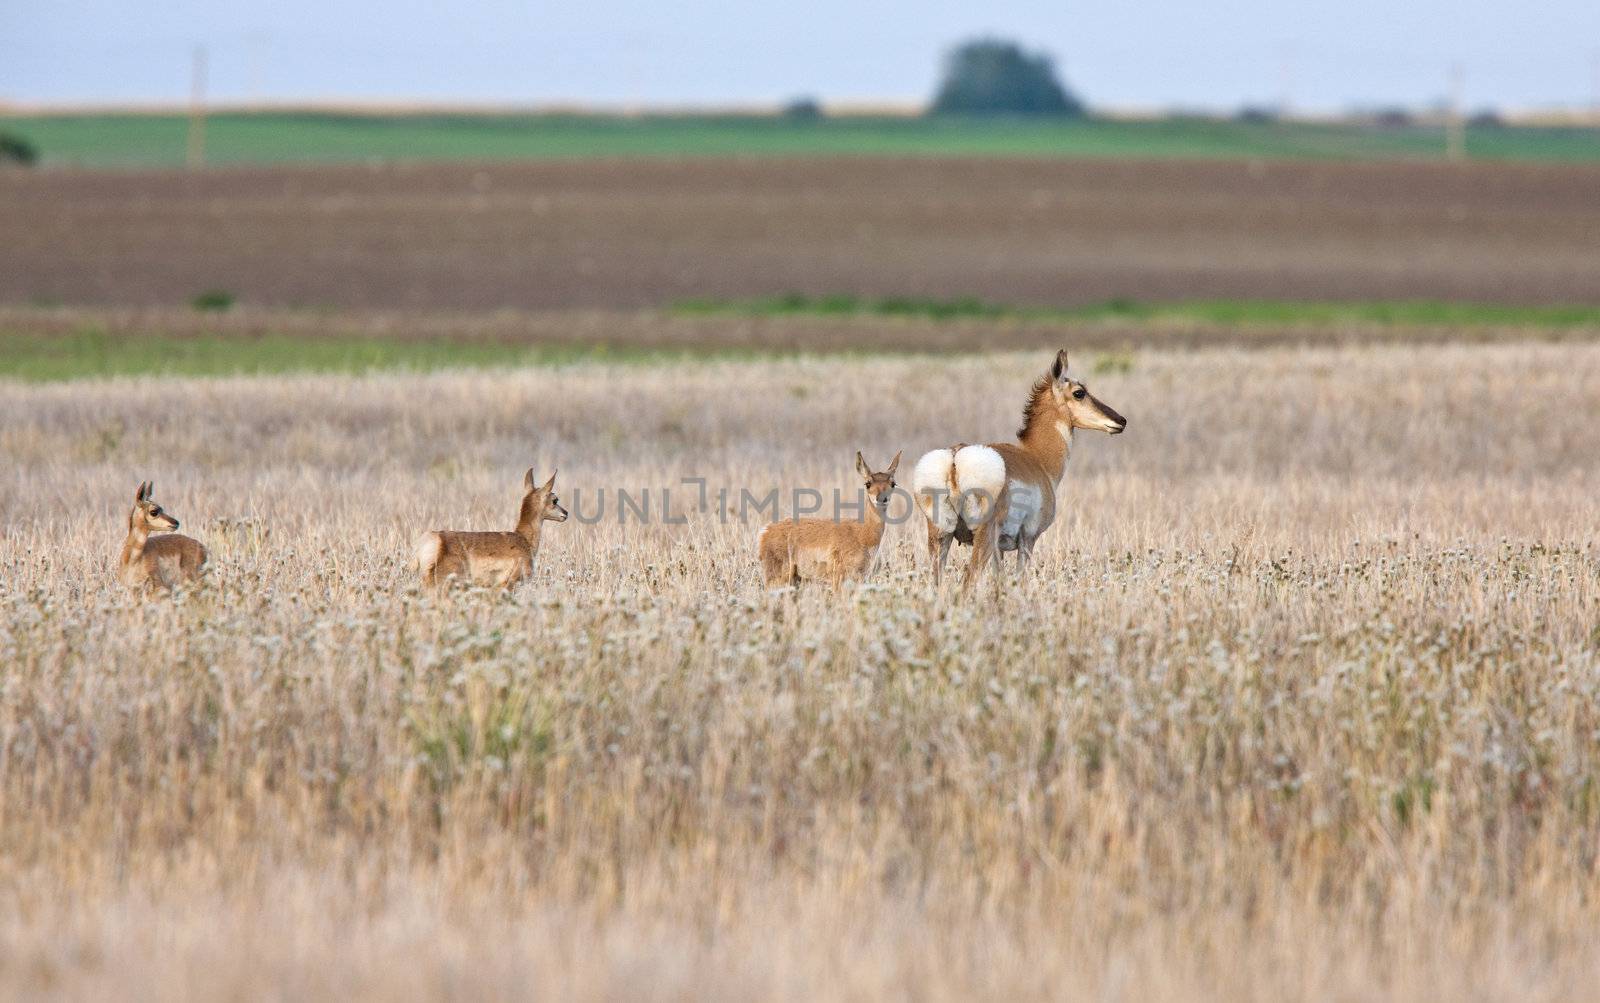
{"x": 197, "y": 109}
{"x": 1594, "y": 86}
{"x": 1455, "y": 142}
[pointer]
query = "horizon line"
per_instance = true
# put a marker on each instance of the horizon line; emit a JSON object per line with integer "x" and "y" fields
{"x": 1571, "y": 115}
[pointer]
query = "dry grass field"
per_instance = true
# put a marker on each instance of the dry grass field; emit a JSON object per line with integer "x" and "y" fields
{"x": 1301, "y": 702}
{"x": 632, "y": 234}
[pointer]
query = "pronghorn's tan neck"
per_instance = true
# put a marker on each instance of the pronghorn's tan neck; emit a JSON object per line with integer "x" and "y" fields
{"x": 870, "y": 530}
{"x": 133, "y": 546}
{"x": 529, "y": 522}
{"x": 1046, "y": 432}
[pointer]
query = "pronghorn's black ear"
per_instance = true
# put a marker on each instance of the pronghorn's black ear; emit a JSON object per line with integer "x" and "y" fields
{"x": 894, "y": 463}
{"x": 527, "y": 479}
{"x": 145, "y": 490}
{"x": 862, "y": 468}
{"x": 550, "y": 483}
{"x": 1060, "y": 368}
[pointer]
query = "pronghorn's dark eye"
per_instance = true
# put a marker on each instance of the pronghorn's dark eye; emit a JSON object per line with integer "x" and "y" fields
{"x": 1079, "y": 393}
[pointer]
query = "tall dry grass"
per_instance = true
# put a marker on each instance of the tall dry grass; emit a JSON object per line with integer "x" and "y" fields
{"x": 1301, "y": 702}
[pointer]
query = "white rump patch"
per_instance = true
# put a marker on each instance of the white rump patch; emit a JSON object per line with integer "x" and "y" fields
{"x": 930, "y": 485}
{"x": 429, "y": 548}
{"x": 961, "y": 485}
{"x": 981, "y": 477}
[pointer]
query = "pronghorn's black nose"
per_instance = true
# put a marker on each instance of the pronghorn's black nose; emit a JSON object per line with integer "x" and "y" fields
{"x": 174, "y": 522}
{"x": 1120, "y": 428}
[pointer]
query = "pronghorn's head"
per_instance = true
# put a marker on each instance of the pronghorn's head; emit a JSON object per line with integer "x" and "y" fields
{"x": 541, "y": 503}
{"x": 880, "y": 485}
{"x": 1073, "y": 405}
{"x": 146, "y": 514}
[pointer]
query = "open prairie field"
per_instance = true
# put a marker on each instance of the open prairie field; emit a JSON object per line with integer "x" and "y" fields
{"x": 630, "y": 234}
{"x": 1301, "y": 700}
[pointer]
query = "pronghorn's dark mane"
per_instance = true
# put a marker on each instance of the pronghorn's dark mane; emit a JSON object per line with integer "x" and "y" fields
{"x": 1040, "y": 406}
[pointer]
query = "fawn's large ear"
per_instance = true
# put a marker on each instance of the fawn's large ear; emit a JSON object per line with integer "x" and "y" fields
{"x": 143, "y": 494}
{"x": 1060, "y": 368}
{"x": 862, "y": 468}
{"x": 550, "y": 483}
{"x": 527, "y": 479}
{"x": 894, "y": 463}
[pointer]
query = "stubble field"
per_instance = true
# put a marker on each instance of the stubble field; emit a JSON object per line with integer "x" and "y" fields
{"x": 1300, "y": 701}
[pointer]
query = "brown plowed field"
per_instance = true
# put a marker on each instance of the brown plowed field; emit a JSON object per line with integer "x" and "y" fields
{"x": 643, "y": 233}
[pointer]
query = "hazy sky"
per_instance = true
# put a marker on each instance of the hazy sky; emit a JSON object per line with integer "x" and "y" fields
{"x": 1203, "y": 53}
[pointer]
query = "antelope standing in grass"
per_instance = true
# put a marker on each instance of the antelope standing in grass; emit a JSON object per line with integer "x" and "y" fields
{"x": 161, "y": 562}
{"x": 1002, "y": 496}
{"x": 502, "y": 559}
{"x": 796, "y": 550}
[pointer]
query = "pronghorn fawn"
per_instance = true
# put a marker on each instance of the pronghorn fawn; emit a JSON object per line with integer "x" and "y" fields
{"x": 160, "y": 562}
{"x": 1002, "y": 496}
{"x": 796, "y": 550}
{"x": 502, "y": 559}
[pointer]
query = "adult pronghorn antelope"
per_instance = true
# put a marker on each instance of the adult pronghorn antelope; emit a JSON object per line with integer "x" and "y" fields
{"x": 796, "y": 550}
{"x": 1002, "y": 496}
{"x": 502, "y": 559}
{"x": 159, "y": 562}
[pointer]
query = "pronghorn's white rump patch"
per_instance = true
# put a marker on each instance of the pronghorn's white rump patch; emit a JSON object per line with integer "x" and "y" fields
{"x": 980, "y": 479}
{"x": 429, "y": 548}
{"x": 960, "y": 485}
{"x": 930, "y": 485}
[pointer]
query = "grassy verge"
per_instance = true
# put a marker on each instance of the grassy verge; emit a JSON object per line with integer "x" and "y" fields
{"x": 1276, "y": 313}
{"x": 40, "y": 344}
{"x": 157, "y": 140}
{"x": 92, "y": 353}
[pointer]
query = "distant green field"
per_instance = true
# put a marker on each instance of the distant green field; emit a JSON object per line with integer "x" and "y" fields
{"x": 89, "y": 350}
{"x": 138, "y": 140}
{"x": 91, "y": 354}
{"x": 1398, "y": 313}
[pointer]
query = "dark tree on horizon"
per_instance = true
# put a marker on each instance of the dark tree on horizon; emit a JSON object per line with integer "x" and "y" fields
{"x": 991, "y": 76}
{"x": 17, "y": 150}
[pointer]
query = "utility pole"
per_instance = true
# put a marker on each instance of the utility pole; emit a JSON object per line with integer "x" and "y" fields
{"x": 197, "y": 110}
{"x": 1594, "y": 88}
{"x": 1455, "y": 129}
{"x": 1286, "y": 79}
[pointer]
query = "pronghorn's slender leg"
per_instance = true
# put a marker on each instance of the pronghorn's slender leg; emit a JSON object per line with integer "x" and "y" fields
{"x": 986, "y": 543}
{"x": 994, "y": 558}
{"x": 842, "y": 570}
{"x": 985, "y": 550}
{"x": 938, "y": 550}
{"x": 1024, "y": 555}
{"x": 516, "y": 574}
